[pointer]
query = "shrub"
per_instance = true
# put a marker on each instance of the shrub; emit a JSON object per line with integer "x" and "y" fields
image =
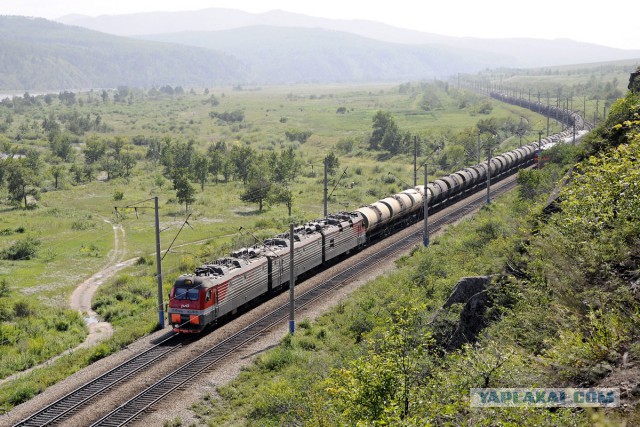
{"x": 304, "y": 324}
{"x": 4, "y": 288}
{"x": 143, "y": 260}
{"x": 100, "y": 351}
{"x": 307, "y": 344}
{"x": 82, "y": 224}
{"x": 22, "y": 309}
{"x": 21, "y": 250}
{"x": 276, "y": 359}
{"x": 22, "y": 394}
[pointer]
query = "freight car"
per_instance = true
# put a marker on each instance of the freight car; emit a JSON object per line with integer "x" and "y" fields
{"x": 219, "y": 288}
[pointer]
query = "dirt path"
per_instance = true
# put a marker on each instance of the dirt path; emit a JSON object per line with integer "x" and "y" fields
{"x": 82, "y": 296}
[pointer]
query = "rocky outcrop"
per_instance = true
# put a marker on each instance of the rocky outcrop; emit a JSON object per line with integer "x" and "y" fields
{"x": 634, "y": 81}
{"x": 466, "y": 288}
{"x": 472, "y": 292}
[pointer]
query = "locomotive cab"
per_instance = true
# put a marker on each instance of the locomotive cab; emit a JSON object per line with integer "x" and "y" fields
{"x": 187, "y": 304}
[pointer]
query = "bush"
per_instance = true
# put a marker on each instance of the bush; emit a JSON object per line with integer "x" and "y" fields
{"x": 22, "y": 309}
{"x": 276, "y": 359}
{"x": 82, "y": 224}
{"x": 307, "y": 344}
{"x": 21, "y": 250}
{"x": 99, "y": 352}
{"x": 4, "y": 288}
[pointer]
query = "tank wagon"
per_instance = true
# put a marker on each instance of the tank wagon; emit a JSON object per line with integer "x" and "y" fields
{"x": 219, "y": 288}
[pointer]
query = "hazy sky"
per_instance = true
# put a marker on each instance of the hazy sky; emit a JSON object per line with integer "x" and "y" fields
{"x": 545, "y": 19}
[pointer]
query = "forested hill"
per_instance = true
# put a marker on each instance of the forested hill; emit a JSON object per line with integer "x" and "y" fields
{"x": 305, "y": 55}
{"x": 513, "y": 52}
{"x": 38, "y": 54}
{"x": 43, "y": 55}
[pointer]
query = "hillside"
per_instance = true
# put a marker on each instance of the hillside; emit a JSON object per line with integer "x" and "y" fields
{"x": 511, "y": 52}
{"x": 223, "y": 46}
{"x": 298, "y": 55}
{"x": 38, "y": 54}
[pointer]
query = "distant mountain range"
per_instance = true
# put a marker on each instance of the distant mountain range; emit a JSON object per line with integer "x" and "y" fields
{"x": 518, "y": 52}
{"x": 38, "y": 55}
{"x": 223, "y": 46}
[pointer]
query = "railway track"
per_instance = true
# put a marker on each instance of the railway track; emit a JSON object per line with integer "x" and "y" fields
{"x": 78, "y": 399}
{"x": 82, "y": 396}
{"x": 182, "y": 375}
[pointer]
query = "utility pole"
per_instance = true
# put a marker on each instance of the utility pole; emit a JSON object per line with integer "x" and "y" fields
{"x": 479, "y": 146}
{"x": 326, "y": 189}
{"x": 548, "y": 113}
{"x": 159, "y": 267}
{"x": 425, "y": 234}
{"x": 292, "y": 280}
{"x": 488, "y": 173}
{"x": 539, "y": 147}
{"x": 415, "y": 157}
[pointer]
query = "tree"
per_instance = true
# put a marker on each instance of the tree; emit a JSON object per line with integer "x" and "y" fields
{"x": 281, "y": 194}
{"x": 387, "y": 135}
{"x": 116, "y": 145}
{"x": 128, "y": 161}
{"x": 242, "y": 157}
{"x": 453, "y": 157}
{"x": 20, "y": 180}
{"x": 94, "y": 149}
{"x": 111, "y": 166}
{"x": 216, "y": 163}
{"x": 200, "y": 168}
{"x": 76, "y": 172}
{"x": 488, "y": 126}
{"x": 284, "y": 167}
{"x": 176, "y": 157}
{"x": 57, "y": 172}
{"x": 61, "y": 145}
{"x": 154, "y": 151}
{"x": 256, "y": 191}
{"x": 184, "y": 190}
{"x": 382, "y": 121}
{"x": 332, "y": 162}
{"x": 298, "y": 135}
{"x": 259, "y": 182}
{"x": 379, "y": 387}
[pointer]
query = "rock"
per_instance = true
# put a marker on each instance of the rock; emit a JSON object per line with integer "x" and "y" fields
{"x": 599, "y": 371}
{"x": 466, "y": 288}
{"x": 634, "y": 81}
{"x": 470, "y": 291}
{"x": 472, "y": 321}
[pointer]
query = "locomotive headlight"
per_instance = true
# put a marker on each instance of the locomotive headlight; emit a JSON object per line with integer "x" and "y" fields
{"x": 188, "y": 282}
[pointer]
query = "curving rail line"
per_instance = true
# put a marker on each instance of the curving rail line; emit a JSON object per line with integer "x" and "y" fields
{"x": 70, "y": 403}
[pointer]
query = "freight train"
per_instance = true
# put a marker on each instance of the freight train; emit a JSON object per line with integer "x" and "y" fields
{"x": 219, "y": 288}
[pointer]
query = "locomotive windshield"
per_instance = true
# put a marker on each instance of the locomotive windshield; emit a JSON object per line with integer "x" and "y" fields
{"x": 190, "y": 294}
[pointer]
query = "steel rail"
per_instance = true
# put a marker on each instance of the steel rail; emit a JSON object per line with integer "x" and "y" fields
{"x": 65, "y": 406}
